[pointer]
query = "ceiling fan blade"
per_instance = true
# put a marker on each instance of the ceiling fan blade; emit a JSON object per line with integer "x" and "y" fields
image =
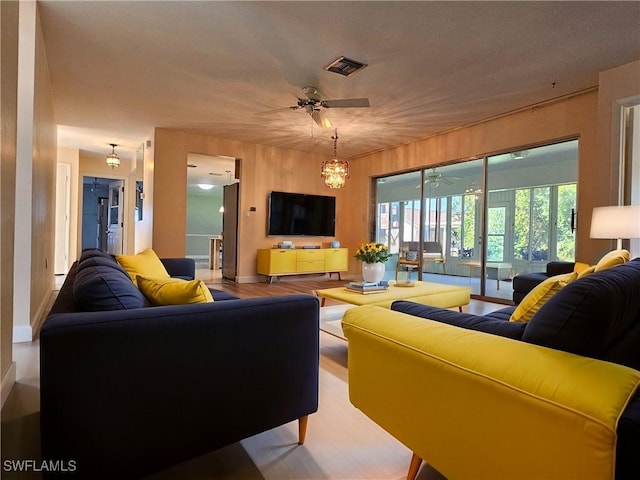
{"x": 320, "y": 119}
{"x": 447, "y": 181}
{"x": 346, "y": 103}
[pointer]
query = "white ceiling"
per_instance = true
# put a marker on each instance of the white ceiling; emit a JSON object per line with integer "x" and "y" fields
{"x": 230, "y": 69}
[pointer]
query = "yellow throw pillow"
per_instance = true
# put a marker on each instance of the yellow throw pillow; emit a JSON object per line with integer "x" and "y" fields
{"x": 586, "y": 271}
{"x": 613, "y": 258}
{"x": 145, "y": 263}
{"x": 532, "y": 302}
{"x": 579, "y": 267}
{"x": 163, "y": 292}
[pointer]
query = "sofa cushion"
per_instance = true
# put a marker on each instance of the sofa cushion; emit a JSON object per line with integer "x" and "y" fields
{"x": 493, "y": 323}
{"x": 537, "y": 297}
{"x": 145, "y": 263}
{"x": 94, "y": 252}
{"x": 94, "y": 261}
{"x": 613, "y": 258}
{"x": 596, "y": 316}
{"x": 173, "y": 291}
{"x": 101, "y": 288}
{"x": 222, "y": 295}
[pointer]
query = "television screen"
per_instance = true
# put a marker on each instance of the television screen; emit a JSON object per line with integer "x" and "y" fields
{"x": 298, "y": 214}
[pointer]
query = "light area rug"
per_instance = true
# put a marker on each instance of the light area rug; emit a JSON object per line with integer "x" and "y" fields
{"x": 331, "y": 319}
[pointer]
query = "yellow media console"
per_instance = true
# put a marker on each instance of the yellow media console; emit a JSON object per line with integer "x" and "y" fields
{"x": 274, "y": 262}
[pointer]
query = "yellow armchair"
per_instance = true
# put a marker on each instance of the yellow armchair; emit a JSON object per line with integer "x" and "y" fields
{"x": 476, "y": 405}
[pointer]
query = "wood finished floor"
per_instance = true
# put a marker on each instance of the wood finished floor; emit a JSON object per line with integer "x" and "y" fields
{"x": 342, "y": 443}
{"x": 304, "y": 284}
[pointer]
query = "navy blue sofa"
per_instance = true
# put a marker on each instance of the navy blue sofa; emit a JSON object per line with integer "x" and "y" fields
{"x": 525, "y": 282}
{"x": 131, "y": 390}
{"x": 596, "y": 316}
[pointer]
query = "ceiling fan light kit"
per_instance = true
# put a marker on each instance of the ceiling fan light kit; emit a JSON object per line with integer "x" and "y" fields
{"x": 335, "y": 172}
{"x": 313, "y": 104}
{"x": 112, "y": 159}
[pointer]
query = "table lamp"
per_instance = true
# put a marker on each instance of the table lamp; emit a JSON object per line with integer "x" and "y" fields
{"x": 619, "y": 222}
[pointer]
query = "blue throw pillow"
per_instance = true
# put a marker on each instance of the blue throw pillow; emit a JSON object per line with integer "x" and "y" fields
{"x": 100, "y": 288}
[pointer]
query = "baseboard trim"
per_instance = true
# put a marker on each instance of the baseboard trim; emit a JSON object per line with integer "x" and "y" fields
{"x": 8, "y": 381}
{"x": 22, "y": 333}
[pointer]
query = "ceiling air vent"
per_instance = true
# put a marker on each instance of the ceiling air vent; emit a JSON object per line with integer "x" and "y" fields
{"x": 345, "y": 66}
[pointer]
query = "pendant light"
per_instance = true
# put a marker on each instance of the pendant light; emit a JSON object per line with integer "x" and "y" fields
{"x": 335, "y": 172}
{"x": 113, "y": 160}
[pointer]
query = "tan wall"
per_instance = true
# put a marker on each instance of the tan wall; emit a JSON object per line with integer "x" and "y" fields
{"x": 8, "y": 112}
{"x": 43, "y": 179}
{"x": 573, "y": 117}
{"x": 263, "y": 169}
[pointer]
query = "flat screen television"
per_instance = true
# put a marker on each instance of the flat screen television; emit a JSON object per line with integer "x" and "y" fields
{"x": 299, "y": 214}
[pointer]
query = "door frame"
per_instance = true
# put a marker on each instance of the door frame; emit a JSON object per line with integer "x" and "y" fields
{"x": 127, "y": 216}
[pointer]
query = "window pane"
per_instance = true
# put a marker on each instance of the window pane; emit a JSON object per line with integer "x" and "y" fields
{"x": 469, "y": 227}
{"x": 565, "y": 238}
{"x": 496, "y": 226}
{"x": 456, "y": 226}
{"x": 496, "y": 220}
{"x": 495, "y": 248}
{"x": 521, "y": 224}
{"x": 540, "y": 225}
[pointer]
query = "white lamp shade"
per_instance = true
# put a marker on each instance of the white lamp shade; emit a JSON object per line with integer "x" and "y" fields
{"x": 616, "y": 222}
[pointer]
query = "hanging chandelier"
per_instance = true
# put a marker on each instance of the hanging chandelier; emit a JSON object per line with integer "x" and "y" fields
{"x": 335, "y": 172}
{"x": 113, "y": 160}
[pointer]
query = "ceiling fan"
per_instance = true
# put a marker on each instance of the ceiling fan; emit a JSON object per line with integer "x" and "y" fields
{"x": 434, "y": 179}
{"x": 312, "y": 103}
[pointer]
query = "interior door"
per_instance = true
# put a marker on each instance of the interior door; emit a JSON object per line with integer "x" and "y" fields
{"x": 230, "y": 232}
{"x": 103, "y": 223}
{"x": 115, "y": 217}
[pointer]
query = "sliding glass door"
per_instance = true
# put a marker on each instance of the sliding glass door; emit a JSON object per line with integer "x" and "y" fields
{"x": 453, "y": 206}
{"x": 531, "y": 197}
{"x": 481, "y": 222}
{"x": 398, "y": 214}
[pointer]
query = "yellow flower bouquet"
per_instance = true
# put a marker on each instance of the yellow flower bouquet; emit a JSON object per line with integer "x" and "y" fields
{"x": 372, "y": 253}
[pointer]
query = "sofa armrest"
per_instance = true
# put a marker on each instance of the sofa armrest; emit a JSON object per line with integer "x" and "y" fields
{"x": 180, "y": 267}
{"x": 509, "y": 406}
{"x": 558, "y": 268}
{"x": 479, "y": 323}
{"x": 126, "y": 393}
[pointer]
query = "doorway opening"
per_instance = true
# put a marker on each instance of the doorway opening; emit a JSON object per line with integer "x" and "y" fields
{"x": 207, "y": 176}
{"x": 102, "y": 214}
